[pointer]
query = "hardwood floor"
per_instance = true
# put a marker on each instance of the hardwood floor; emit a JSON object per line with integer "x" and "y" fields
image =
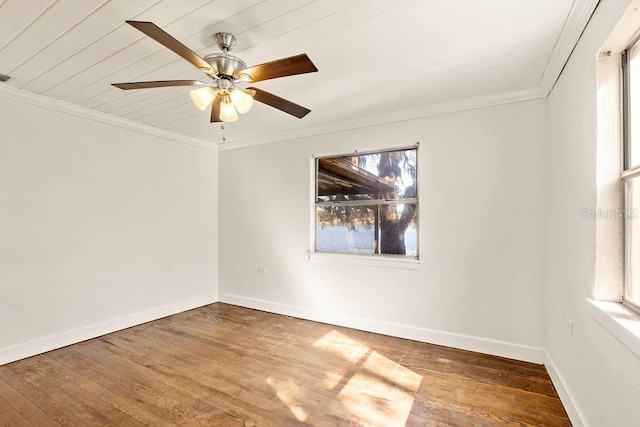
{"x": 231, "y": 366}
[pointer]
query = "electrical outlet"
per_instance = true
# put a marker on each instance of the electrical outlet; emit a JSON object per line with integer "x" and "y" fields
{"x": 570, "y": 326}
{"x": 262, "y": 270}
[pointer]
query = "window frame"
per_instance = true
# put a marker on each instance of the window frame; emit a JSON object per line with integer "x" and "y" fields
{"x": 628, "y": 172}
{"x": 373, "y": 202}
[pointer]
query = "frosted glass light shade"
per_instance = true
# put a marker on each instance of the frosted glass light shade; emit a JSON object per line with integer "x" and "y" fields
{"x": 202, "y": 97}
{"x": 228, "y": 112}
{"x": 242, "y": 100}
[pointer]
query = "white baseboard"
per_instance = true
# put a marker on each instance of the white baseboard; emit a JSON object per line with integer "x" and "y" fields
{"x": 465, "y": 342}
{"x": 52, "y": 342}
{"x": 568, "y": 400}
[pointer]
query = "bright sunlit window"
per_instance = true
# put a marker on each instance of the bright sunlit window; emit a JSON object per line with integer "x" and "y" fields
{"x": 367, "y": 203}
{"x": 631, "y": 173}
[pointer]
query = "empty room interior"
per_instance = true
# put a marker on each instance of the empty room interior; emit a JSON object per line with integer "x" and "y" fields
{"x": 341, "y": 212}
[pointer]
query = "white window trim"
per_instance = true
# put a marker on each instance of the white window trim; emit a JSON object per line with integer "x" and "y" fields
{"x": 380, "y": 260}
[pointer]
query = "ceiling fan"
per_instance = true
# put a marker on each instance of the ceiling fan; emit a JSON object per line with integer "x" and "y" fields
{"x": 226, "y": 89}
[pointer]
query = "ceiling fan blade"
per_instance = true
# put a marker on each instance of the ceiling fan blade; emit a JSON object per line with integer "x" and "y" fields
{"x": 159, "y": 83}
{"x": 299, "y": 64}
{"x": 215, "y": 109}
{"x": 280, "y": 103}
{"x": 165, "y": 39}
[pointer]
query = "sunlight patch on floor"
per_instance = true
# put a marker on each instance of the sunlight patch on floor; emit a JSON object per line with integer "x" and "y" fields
{"x": 392, "y": 372}
{"x": 343, "y": 346}
{"x": 371, "y": 389}
{"x": 287, "y": 391}
{"x": 374, "y": 402}
{"x": 333, "y": 379}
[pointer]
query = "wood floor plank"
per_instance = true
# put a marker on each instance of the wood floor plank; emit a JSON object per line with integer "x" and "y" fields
{"x": 24, "y": 406}
{"x": 9, "y": 416}
{"x": 231, "y": 366}
{"x": 120, "y": 382}
{"x": 207, "y": 383}
{"x": 490, "y": 404}
{"x": 92, "y": 410}
{"x": 253, "y": 366}
{"x": 103, "y": 389}
{"x": 176, "y": 406}
{"x": 227, "y": 408}
{"x": 36, "y": 377}
{"x": 44, "y": 399}
{"x": 224, "y": 365}
{"x": 428, "y": 361}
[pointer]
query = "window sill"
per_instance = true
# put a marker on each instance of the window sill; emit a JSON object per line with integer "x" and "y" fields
{"x": 384, "y": 261}
{"x": 621, "y": 322}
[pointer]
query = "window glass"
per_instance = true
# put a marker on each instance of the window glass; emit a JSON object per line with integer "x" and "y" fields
{"x": 633, "y": 93}
{"x": 631, "y": 176}
{"x": 632, "y": 216}
{"x": 346, "y": 229}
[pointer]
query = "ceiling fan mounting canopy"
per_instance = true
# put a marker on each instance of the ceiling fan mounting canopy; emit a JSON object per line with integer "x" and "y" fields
{"x": 225, "y": 98}
{"x": 225, "y": 41}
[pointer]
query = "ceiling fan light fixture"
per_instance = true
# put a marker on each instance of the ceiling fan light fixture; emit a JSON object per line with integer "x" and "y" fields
{"x": 242, "y": 100}
{"x": 202, "y": 97}
{"x": 228, "y": 112}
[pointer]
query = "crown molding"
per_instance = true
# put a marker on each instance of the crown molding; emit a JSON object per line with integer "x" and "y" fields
{"x": 576, "y": 22}
{"x": 98, "y": 116}
{"x": 375, "y": 120}
{"x": 428, "y": 110}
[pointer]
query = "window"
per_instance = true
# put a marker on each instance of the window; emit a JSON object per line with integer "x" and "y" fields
{"x": 367, "y": 203}
{"x": 631, "y": 172}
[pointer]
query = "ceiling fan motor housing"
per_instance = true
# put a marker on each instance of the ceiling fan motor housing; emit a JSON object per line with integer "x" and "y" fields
{"x": 224, "y": 63}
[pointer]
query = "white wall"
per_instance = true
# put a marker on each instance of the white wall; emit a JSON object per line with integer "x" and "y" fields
{"x": 101, "y": 227}
{"x": 479, "y": 282}
{"x": 599, "y": 371}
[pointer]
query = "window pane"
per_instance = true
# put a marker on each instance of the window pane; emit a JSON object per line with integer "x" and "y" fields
{"x": 411, "y": 240}
{"x": 374, "y": 176}
{"x": 346, "y": 229}
{"x": 398, "y": 233}
{"x": 634, "y": 108}
{"x": 632, "y": 223}
{"x": 386, "y": 229}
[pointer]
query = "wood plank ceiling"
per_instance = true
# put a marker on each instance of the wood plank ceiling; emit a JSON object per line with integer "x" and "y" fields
{"x": 379, "y": 60}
